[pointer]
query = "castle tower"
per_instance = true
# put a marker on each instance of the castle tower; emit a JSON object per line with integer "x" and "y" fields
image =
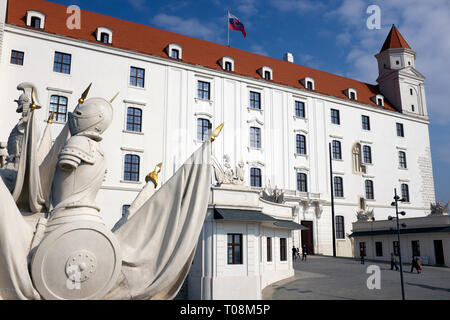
{"x": 399, "y": 81}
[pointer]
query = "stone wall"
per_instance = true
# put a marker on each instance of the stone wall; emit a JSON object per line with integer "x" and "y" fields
{"x": 426, "y": 173}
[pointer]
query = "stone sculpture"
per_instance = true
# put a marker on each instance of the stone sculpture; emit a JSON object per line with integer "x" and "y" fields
{"x": 228, "y": 175}
{"x": 273, "y": 195}
{"x": 70, "y": 252}
{"x": 438, "y": 209}
{"x": 367, "y": 215}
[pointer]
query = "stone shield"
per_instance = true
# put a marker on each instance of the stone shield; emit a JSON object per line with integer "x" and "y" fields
{"x": 77, "y": 261}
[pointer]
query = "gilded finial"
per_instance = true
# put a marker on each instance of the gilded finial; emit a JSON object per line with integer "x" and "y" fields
{"x": 52, "y": 116}
{"x": 85, "y": 94}
{"x": 114, "y": 98}
{"x": 216, "y": 132}
{"x": 34, "y": 106}
{"x": 154, "y": 175}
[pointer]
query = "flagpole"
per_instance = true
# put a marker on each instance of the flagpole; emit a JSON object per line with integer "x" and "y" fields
{"x": 228, "y": 27}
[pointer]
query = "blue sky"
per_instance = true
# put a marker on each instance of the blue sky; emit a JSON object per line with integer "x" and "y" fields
{"x": 330, "y": 35}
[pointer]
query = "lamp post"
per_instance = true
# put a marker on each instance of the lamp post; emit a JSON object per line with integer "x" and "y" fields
{"x": 332, "y": 202}
{"x": 395, "y": 203}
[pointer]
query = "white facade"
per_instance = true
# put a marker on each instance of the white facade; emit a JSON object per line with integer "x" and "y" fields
{"x": 170, "y": 109}
{"x": 431, "y": 234}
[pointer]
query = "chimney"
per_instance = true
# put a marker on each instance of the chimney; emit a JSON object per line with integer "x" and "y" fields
{"x": 289, "y": 57}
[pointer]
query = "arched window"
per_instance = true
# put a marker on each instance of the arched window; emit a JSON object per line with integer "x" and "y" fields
{"x": 203, "y": 129}
{"x": 175, "y": 54}
{"x": 302, "y": 182}
{"x": 228, "y": 66}
{"x": 255, "y": 177}
{"x": 301, "y": 144}
{"x": 337, "y": 151}
{"x": 58, "y": 105}
{"x": 369, "y": 189}
{"x": 134, "y": 119}
{"x": 340, "y": 227}
{"x": 338, "y": 187}
{"x": 405, "y": 192}
{"x": 131, "y": 168}
{"x": 367, "y": 154}
{"x": 402, "y": 159}
{"x": 267, "y": 75}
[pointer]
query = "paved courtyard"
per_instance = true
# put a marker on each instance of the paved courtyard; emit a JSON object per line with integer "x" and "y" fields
{"x": 327, "y": 278}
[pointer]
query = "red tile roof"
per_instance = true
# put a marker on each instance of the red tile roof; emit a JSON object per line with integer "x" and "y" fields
{"x": 152, "y": 41}
{"x": 394, "y": 40}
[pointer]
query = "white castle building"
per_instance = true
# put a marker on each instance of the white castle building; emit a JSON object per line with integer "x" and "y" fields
{"x": 279, "y": 118}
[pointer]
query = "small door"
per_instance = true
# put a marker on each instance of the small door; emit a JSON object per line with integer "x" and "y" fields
{"x": 307, "y": 236}
{"x": 439, "y": 252}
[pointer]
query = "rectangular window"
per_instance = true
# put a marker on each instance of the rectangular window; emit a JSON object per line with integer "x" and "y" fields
{"x": 337, "y": 151}
{"x": 402, "y": 159}
{"x": 228, "y": 66}
{"x": 301, "y": 144}
{"x": 400, "y": 132}
{"x": 137, "y": 77}
{"x": 17, "y": 57}
{"x": 134, "y": 119}
{"x": 131, "y": 168}
{"x": 396, "y": 248}
{"x": 175, "y": 54}
{"x": 203, "y": 129}
{"x": 340, "y": 228}
{"x": 300, "y": 109}
{"x": 302, "y": 182}
{"x": 335, "y": 116}
{"x": 379, "y": 249}
{"x": 415, "y": 248}
{"x": 369, "y": 189}
{"x": 269, "y": 249}
{"x": 365, "y": 122}
{"x": 255, "y": 138}
{"x": 338, "y": 187}
{"x": 234, "y": 248}
{"x": 405, "y": 192}
{"x": 203, "y": 90}
{"x": 255, "y": 100}
{"x": 367, "y": 154}
{"x": 58, "y": 105}
{"x": 62, "y": 62}
{"x": 283, "y": 249}
{"x": 255, "y": 177}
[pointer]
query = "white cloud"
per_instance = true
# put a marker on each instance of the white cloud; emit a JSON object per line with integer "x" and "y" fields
{"x": 300, "y": 6}
{"x": 310, "y": 61}
{"x": 256, "y": 48}
{"x": 192, "y": 26}
{"x": 424, "y": 25}
{"x": 247, "y": 7}
{"x": 138, "y": 4}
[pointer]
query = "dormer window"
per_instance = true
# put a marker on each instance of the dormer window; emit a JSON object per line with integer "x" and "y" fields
{"x": 379, "y": 100}
{"x": 266, "y": 73}
{"x": 175, "y": 54}
{"x": 227, "y": 64}
{"x": 35, "y": 19}
{"x": 175, "y": 51}
{"x": 308, "y": 83}
{"x": 104, "y": 35}
{"x": 351, "y": 94}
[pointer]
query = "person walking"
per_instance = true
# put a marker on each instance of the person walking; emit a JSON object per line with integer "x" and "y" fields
{"x": 418, "y": 265}
{"x": 298, "y": 252}
{"x": 362, "y": 254}
{"x": 414, "y": 264}
{"x": 294, "y": 253}
{"x": 394, "y": 262}
{"x": 304, "y": 252}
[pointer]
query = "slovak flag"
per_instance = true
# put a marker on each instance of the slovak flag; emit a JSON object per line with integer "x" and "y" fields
{"x": 235, "y": 24}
